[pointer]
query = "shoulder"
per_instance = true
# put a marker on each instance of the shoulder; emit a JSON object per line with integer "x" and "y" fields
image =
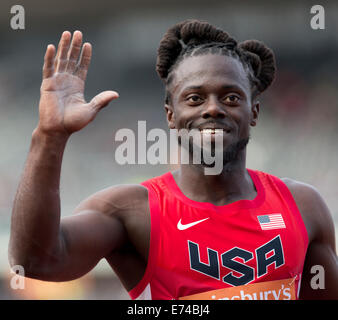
{"x": 116, "y": 199}
{"x": 304, "y": 194}
{"x": 314, "y": 211}
{"x": 124, "y": 205}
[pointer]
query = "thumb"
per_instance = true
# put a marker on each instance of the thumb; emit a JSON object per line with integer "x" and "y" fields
{"x": 102, "y": 99}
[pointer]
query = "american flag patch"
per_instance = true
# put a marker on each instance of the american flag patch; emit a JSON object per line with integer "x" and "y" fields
{"x": 271, "y": 221}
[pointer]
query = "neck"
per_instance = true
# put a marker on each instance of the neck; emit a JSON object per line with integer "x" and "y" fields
{"x": 232, "y": 184}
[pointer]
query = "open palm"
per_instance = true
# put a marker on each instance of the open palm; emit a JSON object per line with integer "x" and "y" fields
{"x": 62, "y": 107}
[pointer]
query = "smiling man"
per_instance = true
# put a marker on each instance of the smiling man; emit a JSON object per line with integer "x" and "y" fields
{"x": 240, "y": 234}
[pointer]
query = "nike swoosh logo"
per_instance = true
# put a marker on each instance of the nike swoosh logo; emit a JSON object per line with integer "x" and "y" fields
{"x": 181, "y": 226}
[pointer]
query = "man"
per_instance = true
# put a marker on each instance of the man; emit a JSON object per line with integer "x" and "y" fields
{"x": 240, "y": 234}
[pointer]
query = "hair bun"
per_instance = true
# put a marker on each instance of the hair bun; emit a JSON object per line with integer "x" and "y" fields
{"x": 169, "y": 49}
{"x": 265, "y": 66}
{"x": 196, "y": 32}
{"x": 188, "y": 33}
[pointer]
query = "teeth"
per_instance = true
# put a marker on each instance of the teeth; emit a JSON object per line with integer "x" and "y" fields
{"x": 209, "y": 131}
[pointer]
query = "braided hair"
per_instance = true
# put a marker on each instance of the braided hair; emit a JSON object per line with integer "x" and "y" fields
{"x": 193, "y": 37}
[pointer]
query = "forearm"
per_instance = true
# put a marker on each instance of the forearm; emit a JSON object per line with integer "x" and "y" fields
{"x": 36, "y": 211}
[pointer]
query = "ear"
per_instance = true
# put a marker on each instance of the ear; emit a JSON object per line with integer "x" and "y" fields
{"x": 170, "y": 116}
{"x": 254, "y": 113}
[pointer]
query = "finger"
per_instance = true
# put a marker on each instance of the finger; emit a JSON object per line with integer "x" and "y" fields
{"x": 57, "y": 55}
{"x": 61, "y": 58}
{"x": 84, "y": 62}
{"x": 74, "y": 51}
{"x": 102, "y": 99}
{"x": 48, "y": 66}
{"x": 58, "y": 50}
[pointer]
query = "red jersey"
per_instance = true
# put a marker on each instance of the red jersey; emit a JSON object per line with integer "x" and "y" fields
{"x": 249, "y": 249}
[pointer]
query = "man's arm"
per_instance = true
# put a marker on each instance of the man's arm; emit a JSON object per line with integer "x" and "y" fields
{"x": 46, "y": 248}
{"x": 322, "y": 245}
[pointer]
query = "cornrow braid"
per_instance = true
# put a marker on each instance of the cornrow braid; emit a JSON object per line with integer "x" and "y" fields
{"x": 194, "y": 37}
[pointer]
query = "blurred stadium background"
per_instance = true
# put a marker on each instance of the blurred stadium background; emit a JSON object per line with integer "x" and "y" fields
{"x": 296, "y": 136}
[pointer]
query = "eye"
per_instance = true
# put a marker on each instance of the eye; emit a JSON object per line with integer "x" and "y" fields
{"x": 194, "y": 99}
{"x": 231, "y": 99}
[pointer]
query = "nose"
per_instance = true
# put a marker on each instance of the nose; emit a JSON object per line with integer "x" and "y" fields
{"x": 213, "y": 109}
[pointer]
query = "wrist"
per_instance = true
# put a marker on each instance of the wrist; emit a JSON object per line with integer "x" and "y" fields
{"x": 55, "y": 138}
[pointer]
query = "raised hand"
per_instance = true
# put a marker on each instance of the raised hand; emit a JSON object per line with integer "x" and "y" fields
{"x": 62, "y": 108}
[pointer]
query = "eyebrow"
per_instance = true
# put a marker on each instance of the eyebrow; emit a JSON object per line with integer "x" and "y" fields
{"x": 227, "y": 87}
{"x": 192, "y": 88}
{"x": 233, "y": 87}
